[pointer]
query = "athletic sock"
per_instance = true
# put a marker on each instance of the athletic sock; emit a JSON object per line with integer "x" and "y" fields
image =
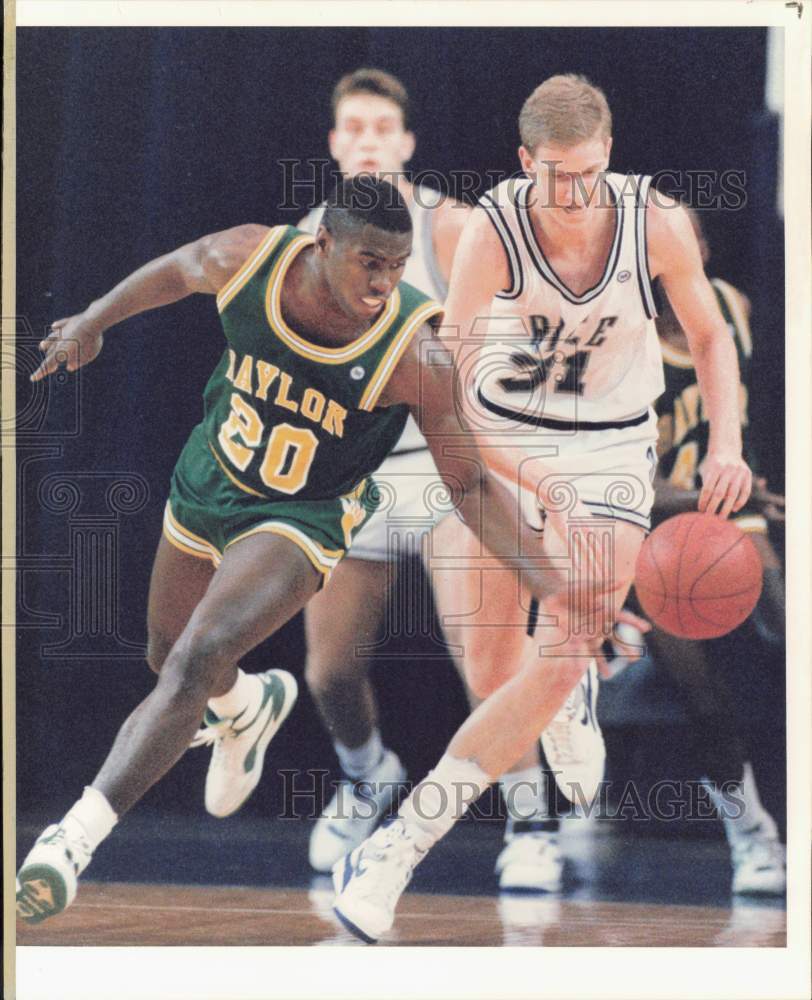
{"x": 442, "y": 797}
{"x": 360, "y": 762}
{"x": 740, "y": 808}
{"x": 525, "y": 796}
{"x": 91, "y": 818}
{"x": 247, "y": 689}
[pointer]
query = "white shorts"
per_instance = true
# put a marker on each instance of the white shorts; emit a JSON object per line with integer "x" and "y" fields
{"x": 610, "y": 471}
{"x": 413, "y": 498}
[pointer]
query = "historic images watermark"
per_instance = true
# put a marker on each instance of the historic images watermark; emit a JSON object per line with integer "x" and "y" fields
{"x": 303, "y": 793}
{"x": 306, "y": 182}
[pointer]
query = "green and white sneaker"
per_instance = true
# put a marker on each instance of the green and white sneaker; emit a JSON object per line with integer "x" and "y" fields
{"x": 240, "y": 743}
{"x": 46, "y": 882}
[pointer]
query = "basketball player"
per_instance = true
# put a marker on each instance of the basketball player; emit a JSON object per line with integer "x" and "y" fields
{"x": 719, "y": 736}
{"x": 371, "y": 135}
{"x": 551, "y": 298}
{"x": 275, "y": 476}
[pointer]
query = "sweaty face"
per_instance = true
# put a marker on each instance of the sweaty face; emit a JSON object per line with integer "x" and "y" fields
{"x": 569, "y": 179}
{"x": 369, "y": 137}
{"x": 363, "y": 267}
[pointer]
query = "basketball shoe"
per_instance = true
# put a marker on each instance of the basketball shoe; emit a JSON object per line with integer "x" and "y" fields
{"x": 370, "y": 880}
{"x": 47, "y": 880}
{"x": 354, "y": 811}
{"x": 531, "y": 859}
{"x": 239, "y": 744}
{"x": 759, "y": 862}
{"x": 573, "y": 742}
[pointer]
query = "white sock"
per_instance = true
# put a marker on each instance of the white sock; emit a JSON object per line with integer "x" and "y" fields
{"x": 92, "y": 817}
{"x": 442, "y": 797}
{"x": 247, "y": 689}
{"x": 740, "y": 808}
{"x": 525, "y": 794}
{"x": 360, "y": 762}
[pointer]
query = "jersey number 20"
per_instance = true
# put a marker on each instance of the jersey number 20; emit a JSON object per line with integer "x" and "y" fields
{"x": 289, "y": 453}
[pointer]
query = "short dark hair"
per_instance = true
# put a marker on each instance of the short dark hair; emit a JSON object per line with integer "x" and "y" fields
{"x": 372, "y": 81}
{"x": 365, "y": 200}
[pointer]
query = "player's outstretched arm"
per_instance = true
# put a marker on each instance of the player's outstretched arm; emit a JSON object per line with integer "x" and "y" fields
{"x": 424, "y": 379}
{"x": 675, "y": 258}
{"x": 203, "y": 266}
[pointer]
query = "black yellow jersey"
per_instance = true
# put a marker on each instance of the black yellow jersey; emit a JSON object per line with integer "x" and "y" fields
{"x": 682, "y": 423}
{"x": 286, "y": 417}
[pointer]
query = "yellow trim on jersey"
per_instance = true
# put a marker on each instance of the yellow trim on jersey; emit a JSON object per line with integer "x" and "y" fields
{"x": 395, "y": 351}
{"x": 324, "y": 560}
{"x": 735, "y": 304}
{"x": 751, "y": 524}
{"x": 233, "y": 478}
{"x": 675, "y": 357}
{"x": 186, "y": 540}
{"x": 249, "y": 268}
{"x": 305, "y": 348}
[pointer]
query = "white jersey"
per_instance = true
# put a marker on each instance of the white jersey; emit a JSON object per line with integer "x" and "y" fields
{"x": 552, "y": 354}
{"x": 422, "y": 271}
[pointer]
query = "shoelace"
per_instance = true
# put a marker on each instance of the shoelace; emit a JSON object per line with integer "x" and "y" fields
{"x": 559, "y": 730}
{"x": 60, "y": 838}
{"x": 212, "y": 734}
{"x": 559, "y": 734}
{"x": 399, "y": 866}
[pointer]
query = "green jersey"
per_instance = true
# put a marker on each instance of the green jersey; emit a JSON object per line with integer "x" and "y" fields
{"x": 682, "y": 422}
{"x": 285, "y": 417}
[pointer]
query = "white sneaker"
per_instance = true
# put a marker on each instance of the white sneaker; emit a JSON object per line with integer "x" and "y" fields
{"x": 354, "y": 812}
{"x": 46, "y": 882}
{"x": 370, "y": 880}
{"x": 573, "y": 742}
{"x": 531, "y": 860}
{"x": 759, "y": 863}
{"x": 526, "y": 918}
{"x": 240, "y": 743}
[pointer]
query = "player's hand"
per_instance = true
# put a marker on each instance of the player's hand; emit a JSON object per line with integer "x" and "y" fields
{"x": 726, "y": 483}
{"x": 626, "y": 641}
{"x": 770, "y": 505}
{"x": 72, "y": 342}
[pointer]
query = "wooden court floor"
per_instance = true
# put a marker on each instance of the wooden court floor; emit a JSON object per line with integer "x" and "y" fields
{"x": 127, "y": 914}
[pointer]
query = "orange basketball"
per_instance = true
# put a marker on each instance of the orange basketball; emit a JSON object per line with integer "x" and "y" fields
{"x": 698, "y": 576}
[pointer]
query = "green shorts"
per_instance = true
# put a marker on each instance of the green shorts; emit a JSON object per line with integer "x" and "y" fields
{"x": 206, "y": 512}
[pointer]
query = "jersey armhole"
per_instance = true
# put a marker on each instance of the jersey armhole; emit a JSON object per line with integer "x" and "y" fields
{"x": 377, "y": 382}
{"x": 641, "y": 246}
{"x": 249, "y": 267}
{"x": 494, "y": 213}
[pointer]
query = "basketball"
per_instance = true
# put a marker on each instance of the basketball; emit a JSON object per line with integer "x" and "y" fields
{"x": 698, "y": 576}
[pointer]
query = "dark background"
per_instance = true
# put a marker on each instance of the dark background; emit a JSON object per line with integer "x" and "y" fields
{"x": 132, "y": 142}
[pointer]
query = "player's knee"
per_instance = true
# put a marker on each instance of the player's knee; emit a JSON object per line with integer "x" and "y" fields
{"x": 559, "y": 673}
{"x": 158, "y": 648}
{"x": 325, "y": 671}
{"x": 483, "y": 682}
{"x": 198, "y": 659}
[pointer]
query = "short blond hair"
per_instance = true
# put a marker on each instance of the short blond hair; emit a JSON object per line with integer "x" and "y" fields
{"x": 563, "y": 111}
